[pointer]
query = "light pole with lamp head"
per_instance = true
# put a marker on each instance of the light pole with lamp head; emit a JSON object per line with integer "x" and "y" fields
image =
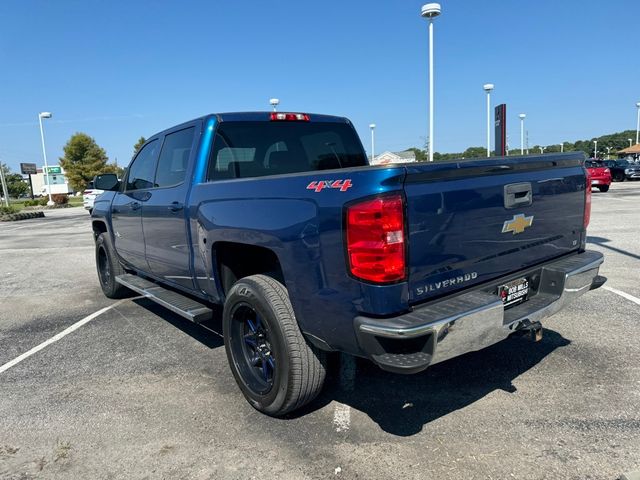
{"x": 595, "y": 149}
{"x": 42, "y": 115}
{"x": 430, "y": 11}
{"x": 542, "y": 149}
{"x": 638, "y": 124}
{"x": 274, "y": 102}
{"x": 372, "y": 126}
{"x": 522, "y": 117}
{"x": 487, "y": 88}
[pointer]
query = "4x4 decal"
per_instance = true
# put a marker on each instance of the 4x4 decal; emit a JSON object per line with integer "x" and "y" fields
{"x": 320, "y": 185}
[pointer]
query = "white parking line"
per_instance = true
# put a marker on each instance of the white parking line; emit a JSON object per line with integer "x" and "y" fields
{"x": 631, "y": 298}
{"x": 57, "y": 337}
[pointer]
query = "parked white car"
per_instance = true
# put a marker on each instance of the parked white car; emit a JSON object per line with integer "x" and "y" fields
{"x": 89, "y": 196}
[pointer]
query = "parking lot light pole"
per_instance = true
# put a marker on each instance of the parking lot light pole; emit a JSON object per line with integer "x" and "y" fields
{"x": 638, "y": 124}
{"x": 630, "y": 141}
{"x": 274, "y": 102}
{"x": 487, "y": 88}
{"x": 372, "y": 126}
{"x": 42, "y": 115}
{"x": 595, "y": 149}
{"x": 431, "y": 11}
{"x": 522, "y": 117}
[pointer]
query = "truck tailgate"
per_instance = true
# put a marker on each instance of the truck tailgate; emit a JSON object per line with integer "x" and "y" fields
{"x": 474, "y": 221}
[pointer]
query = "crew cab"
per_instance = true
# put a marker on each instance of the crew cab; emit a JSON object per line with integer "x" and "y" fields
{"x": 599, "y": 175}
{"x": 279, "y": 218}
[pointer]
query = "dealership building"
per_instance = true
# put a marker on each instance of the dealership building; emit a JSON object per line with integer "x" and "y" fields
{"x": 55, "y": 178}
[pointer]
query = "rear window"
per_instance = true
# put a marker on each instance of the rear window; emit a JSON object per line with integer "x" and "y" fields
{"x": 258, "y": 149}
{"x": 592, "y": 164}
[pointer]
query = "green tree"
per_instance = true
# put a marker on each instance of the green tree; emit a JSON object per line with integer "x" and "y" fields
{"x": 83, "y": 159}
{"x": 138, "y": 144}
{"x": 114, "y": 168}
{"x": 16, "y": 185}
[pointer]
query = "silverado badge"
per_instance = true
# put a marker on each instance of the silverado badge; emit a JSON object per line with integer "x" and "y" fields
{"x": 517, "y": 224}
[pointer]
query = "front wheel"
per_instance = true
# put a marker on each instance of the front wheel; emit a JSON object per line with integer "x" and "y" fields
{"x": 618, "y": 177}
{"x": 109, "y": 268}
{"x": 603, "y": 188}
{"x": 277, "y": 370}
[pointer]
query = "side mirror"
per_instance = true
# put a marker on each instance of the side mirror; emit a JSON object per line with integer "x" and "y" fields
{"x": 106, "y": 181}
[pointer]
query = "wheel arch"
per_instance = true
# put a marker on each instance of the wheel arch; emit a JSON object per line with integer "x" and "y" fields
{"x": 232, "y": 261}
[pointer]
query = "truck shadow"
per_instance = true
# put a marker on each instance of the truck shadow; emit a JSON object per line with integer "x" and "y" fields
{"x": 208, "y": 333}
{"x": 402, "y": 405}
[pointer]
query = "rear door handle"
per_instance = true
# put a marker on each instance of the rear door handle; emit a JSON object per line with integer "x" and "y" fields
{"x": 134, "y": 206}
{"x": 517, "y": 195}
{"x": 176, "y": 206}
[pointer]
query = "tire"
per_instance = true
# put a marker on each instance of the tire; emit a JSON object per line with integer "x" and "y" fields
{"x": 277, "y": 370}
{"x": 603, "y": 188}
{"x": 618, "y": 177}
{"x": 109, "y": 268}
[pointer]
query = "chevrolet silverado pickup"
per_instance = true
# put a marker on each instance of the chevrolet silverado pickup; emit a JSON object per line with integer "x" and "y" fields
{"x": 278, "y": 218}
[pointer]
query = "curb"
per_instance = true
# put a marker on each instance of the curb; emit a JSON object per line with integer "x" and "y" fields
{"x": 21, "y": 216}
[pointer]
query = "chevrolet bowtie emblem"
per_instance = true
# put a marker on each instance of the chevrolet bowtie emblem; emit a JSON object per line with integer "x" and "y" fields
{"x": 517, "y": 224}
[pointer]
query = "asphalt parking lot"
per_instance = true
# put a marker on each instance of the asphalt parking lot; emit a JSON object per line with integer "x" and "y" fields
{"x": 137, "y": 392}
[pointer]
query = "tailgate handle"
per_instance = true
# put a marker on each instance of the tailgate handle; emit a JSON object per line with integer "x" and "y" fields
{"x": 517, "y": 195}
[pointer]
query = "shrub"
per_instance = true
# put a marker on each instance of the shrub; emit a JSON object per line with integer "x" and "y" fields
{"x": 60, "y": 198}
{"x": 7, "y": 210}
{"x": 42, "y": 201}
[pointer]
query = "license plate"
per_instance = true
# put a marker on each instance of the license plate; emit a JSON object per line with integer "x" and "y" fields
{"x": 514, "y": 292}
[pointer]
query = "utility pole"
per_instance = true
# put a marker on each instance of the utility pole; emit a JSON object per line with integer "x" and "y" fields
{"x": 4, "y": 185}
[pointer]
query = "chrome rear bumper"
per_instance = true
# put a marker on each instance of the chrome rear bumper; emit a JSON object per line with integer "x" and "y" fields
{"x": 472, "y": 321}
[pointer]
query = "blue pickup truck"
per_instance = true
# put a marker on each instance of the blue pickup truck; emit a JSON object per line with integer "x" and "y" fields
{"x": 279, "y": 218}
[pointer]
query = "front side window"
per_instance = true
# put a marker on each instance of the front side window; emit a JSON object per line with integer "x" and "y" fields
{"x": 143, "y": 168}
{"x": 172, "y": 164}
{"x": 258, "y": 149}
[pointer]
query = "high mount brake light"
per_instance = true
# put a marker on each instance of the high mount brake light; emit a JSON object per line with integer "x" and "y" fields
{"x": 375, "y": 239}
{"x": 289, "y": 117}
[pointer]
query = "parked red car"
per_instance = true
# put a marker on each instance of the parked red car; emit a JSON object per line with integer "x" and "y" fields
{"x": 599, "y": 174}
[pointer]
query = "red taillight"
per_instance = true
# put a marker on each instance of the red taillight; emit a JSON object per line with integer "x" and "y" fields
{"x": 606, "y": 170}
{"x": 289, "y": 117}
{"x": 587, "y": 203}
{"x": 375, "y": 239}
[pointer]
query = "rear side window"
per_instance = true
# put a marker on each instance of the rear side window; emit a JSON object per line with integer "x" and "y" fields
{"x": 258, "y": 149}
{"x": 141, "y": 170}
{"x": 172, "y": 164}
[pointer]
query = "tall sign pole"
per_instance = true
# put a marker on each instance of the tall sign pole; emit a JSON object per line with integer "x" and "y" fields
{"x": 29, "y": 169}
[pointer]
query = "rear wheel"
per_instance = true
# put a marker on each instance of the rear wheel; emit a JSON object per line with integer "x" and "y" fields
{"x": 618, "y": 177}
{"x": 603, "y": 188}
{"x": 109, "y": 268}
{"x": 277, "y": 370}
